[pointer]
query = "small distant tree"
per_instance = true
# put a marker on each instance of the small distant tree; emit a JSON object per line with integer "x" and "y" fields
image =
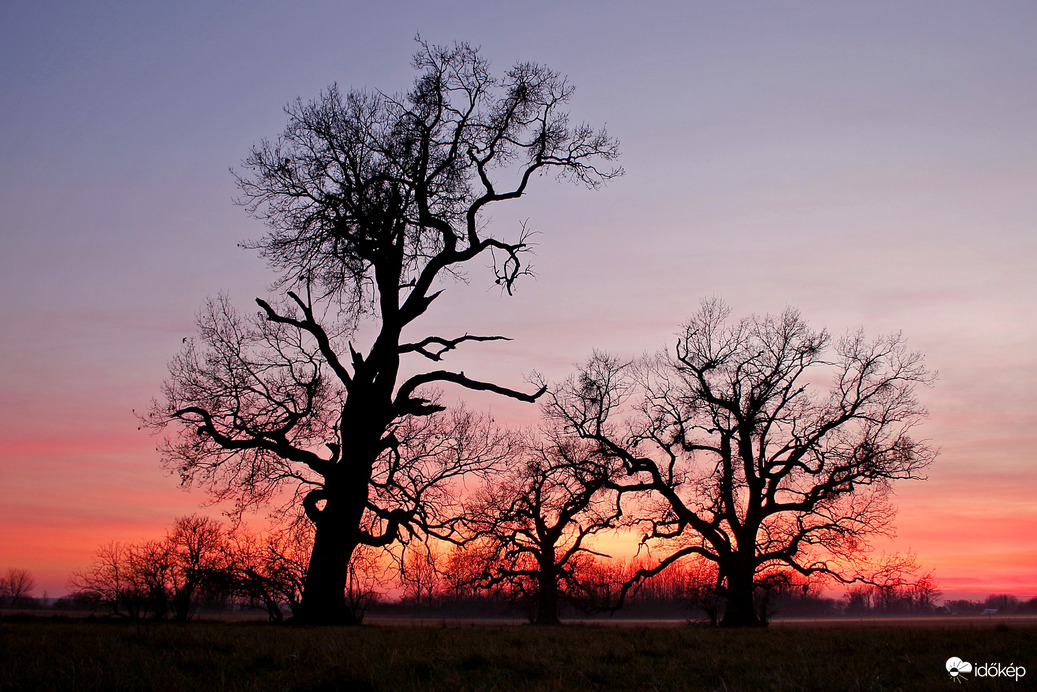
{"x": 247, "y": 571}
{"x": 373, "y": 201}
{"x": 924, "y": 593}
{"x": 751, "y": 464}
{"x": 106, "y": 581}
{"x": 463, "y": 571}
{"x": 197, "y": 552}
{"x": 421, "y": 573}
{"x": 897, "y": 586}
{"x": 16, "y": 587}
{"x": 286, "y": 558}
{"x": 692, "y": 582}
{"x": 772, "y": 588}
{"x": 859, "y": 600}
{"x": 894, "y": 589}
{"x": 531, "y": 527}
{"x": 700, "y": 587}
{"x": 369, "y": 572}
{"x": 149, "y": 569}
{"x": 803, "y": 597}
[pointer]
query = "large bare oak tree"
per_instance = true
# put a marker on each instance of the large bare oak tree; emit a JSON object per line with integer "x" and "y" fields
{"x": 745, "y": 458}
{"x": 371, "y": 201}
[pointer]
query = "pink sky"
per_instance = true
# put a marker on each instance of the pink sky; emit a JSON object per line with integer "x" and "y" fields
{"x": 872, "y": 164}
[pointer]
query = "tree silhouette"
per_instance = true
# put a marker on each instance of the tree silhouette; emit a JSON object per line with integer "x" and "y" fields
{"x": 106, "y": 581}
{"x": 745, "y": 462}
{"x": 372, "y": 201}
{"x": 529, "y": 529}
{"x": 198, "y": 551}
{"x": 420, "y": 570}
{"x": 16, "y": 586}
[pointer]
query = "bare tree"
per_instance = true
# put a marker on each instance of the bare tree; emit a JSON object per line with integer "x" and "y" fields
{"x": 16, "y": 586}
{"x": 249, "y": 574}
{"x": 530, "y": 528}
{"x": 369, "y": 572}
{"x": 891, "y": 596}
{"x": 924, "y": 593}
{"x": 106, "y": 581}
{"x": 421, "y": 568}
{"x": 197, "y": 551}
{"x": 897, "y": 586}
{"x": 463, "y": 572}
{"x": 746, "y": 463}
{"x": 149, "y": 568}
{"x": 130, "y": 580}
{"x": 372, "y": 201}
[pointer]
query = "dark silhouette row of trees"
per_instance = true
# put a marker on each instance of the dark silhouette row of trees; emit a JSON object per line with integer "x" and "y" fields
{"x": 156, "y": 578}
{"x": 200, "y": 564}
{"x": 236, "y": 569}
{"x": 684, "y": 590}
{"x": 994, "y": 604}
{"x": 727, "y": 449}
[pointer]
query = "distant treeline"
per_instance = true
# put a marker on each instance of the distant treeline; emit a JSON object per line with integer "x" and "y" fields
{"x": 202, "y": 566}
{"x": 498, "y": 604}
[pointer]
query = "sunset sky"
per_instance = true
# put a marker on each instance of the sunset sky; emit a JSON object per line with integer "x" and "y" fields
{"x": 873, "y": 164}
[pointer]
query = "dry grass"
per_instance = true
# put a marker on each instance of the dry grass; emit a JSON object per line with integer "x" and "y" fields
{"x": 43, "y": 655}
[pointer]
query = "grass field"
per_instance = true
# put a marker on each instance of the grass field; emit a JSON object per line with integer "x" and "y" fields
{"x": 56, "y": 655}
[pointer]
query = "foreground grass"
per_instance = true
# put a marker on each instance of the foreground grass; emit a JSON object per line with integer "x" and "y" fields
{"x": 251, "y": 656}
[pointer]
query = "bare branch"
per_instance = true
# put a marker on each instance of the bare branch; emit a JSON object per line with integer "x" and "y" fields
{"x": 443, "y": 345}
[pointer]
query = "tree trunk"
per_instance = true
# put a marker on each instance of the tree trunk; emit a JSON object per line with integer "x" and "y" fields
{"x": 336, "y": 536}
{"x": 324, "y": 590}
{"x": 181, "y": 603}
{"x": 547, "y": 593}
{"x": 547, "y": 605}
{"x": 739, "y": 609}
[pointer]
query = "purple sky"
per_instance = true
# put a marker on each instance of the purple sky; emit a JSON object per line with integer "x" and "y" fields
{"x": 873, "y": 164}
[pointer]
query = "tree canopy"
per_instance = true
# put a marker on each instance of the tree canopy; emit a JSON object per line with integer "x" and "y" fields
{"x": 371, "y": 201}
{"x": 746, "y": 459}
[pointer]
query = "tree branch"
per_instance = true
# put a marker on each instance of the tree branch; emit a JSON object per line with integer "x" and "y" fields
{"x": 443, "y": 344}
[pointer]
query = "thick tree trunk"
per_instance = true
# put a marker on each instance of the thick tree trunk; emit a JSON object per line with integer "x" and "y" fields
{"x": 337, "y": 524}
{"x": 324, "y": 590}
{"x": 182, "y": 604}
{"x": 547, "y": 590}
{"x": 739, "y": 609}
{"x": 547, "y": 603}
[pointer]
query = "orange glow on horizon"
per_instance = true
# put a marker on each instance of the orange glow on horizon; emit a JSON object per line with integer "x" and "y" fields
{"x": 975, "y": 533}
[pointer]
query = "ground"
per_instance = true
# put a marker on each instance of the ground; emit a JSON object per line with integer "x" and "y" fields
{"x": 66, "y": 655}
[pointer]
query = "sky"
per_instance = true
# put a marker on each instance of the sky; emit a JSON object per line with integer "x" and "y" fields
{"x": 872, "y": 164}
